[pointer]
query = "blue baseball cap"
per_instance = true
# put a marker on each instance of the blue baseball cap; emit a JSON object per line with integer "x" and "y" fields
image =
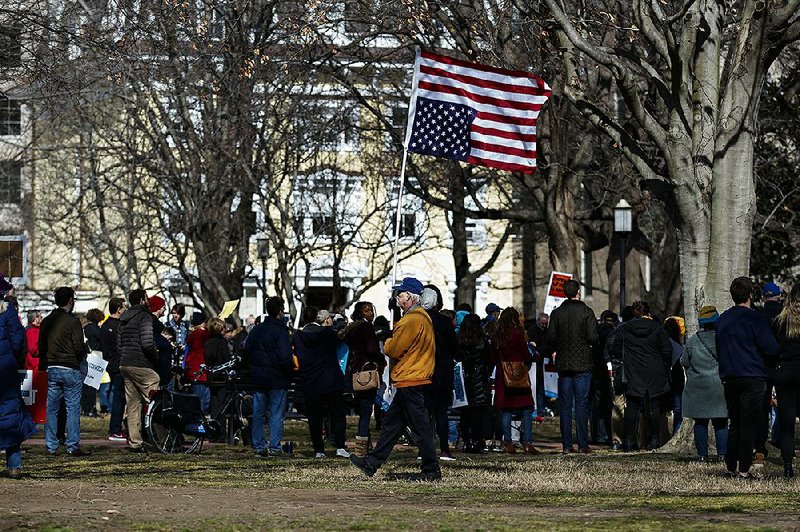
{"x": 409, "y": 284}
{"x": 771, "y": 290}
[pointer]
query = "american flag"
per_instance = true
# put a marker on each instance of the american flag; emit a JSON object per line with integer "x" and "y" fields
{"x": 474, "y": 113}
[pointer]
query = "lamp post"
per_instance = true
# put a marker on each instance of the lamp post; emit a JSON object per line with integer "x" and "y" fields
{"x": 623, "y": 225}
{"x": 262, "y": 251}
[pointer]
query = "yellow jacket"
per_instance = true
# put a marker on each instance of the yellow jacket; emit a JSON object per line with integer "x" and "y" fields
{"x": 412, "y": 348}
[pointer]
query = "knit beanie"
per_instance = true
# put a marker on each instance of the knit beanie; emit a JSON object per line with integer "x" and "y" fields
{"x": 707, "y": 314}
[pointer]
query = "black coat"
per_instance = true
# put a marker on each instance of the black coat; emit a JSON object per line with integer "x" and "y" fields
{"x": 93, "y": 336}
{"x": 61, "y": 341}
{"x": 136, "y": 341}
{"x": 446, "y": 352}
{"x": 315, "y": 347}
{"x": 572, "y": 333}
{"x": 477, "y": 366}
{"x": 108, "y": 343}
{"x": 645, "y": 349}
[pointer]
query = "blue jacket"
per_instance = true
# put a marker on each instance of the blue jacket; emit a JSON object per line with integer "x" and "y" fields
{"x": 744, "y": 339}
{"x": 16, "y": 424}
{"x": 270, "y": 354}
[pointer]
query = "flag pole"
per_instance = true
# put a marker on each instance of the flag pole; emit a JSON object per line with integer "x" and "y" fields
{"x": 398, "y": 216}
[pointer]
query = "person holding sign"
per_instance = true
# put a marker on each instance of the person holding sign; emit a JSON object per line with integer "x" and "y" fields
{"x": 62, "y": 350}
{"x": 16, "y": 424}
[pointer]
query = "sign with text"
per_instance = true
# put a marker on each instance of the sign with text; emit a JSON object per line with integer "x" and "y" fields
{"x": 33, "y": 385}
{"x": 95, "y": 367}
{"x": 555, "y": 291}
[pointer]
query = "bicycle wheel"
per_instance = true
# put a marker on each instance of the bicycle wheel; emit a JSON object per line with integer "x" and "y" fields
{"x": 164, "y": 437}
{"x": 239, "y": 425}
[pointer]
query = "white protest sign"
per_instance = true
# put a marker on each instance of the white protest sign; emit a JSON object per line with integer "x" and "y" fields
{"x": 26, "y": 386}
{"x": 459, "y": 390}
{"x": 95, "y": 367}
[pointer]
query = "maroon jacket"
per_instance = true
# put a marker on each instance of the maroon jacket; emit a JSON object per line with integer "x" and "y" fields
{"x": 516, "y": 349}
{"x": 364, "y": 347}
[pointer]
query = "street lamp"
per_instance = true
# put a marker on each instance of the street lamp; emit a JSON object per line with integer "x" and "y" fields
{"x": 623, "y": 225}
{"x": 262, "y": 251}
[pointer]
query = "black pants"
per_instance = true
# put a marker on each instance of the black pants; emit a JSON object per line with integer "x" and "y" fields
{"x": 601, "y": 402}
{"x": 762, "y": 429}
{"x": 788, "y": 404}
{"x": 652, "y": 413}
{"x": 475, "y": 425}
{"x": 315, "y": 410}
{"x": 437, "y": 403}
{"x": 743, "y": 397}
{"x": 407, "y": 410}
{"x": 88, "y": 401}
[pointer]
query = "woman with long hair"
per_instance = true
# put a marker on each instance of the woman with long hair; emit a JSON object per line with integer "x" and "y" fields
{"x": 787, "y": 376}
{"x": 510, "y": 344}
{"x": 475, "y": 359}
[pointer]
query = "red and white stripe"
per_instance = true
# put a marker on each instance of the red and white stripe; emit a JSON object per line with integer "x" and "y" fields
{"x": 507, "y": 102}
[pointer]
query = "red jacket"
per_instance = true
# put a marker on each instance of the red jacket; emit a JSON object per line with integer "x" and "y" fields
{"x": 32, "y": 358}
{"x": 196, "y": 342}
{"x": 515, "y": 350}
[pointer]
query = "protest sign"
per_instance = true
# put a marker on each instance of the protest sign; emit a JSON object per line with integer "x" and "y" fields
{"x": 555, "y": 291}
{"x": 95, "y": 367}
{"x": 228, "y": 308}
{"x": 33, "y": 385}
{"x": 459, "y": 391}
{"x": 550, "y": 379}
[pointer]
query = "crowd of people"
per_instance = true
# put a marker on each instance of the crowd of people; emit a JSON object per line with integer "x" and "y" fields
{"x": 618, "y": 376}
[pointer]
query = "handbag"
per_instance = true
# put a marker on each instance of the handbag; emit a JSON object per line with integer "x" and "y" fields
{"x": 515, "y": 375}
{"x": 366, "y": 379}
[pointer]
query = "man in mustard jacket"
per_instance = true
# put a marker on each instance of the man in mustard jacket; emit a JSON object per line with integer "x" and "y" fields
{"x": 413, "y": 352}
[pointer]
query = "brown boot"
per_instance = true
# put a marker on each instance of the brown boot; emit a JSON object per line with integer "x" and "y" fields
{"x": 530, "y": 449}
{"x": 362, "y": 446}
{"x": 508, "y": 447}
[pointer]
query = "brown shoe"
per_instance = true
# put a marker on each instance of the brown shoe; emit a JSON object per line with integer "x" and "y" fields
{"x": 508, "y": 447}
{"x": 15, "y": 473}
{"x": 571, "y": 450}
{"x": 530, "y": 449}
{"x": 586, "y": 450}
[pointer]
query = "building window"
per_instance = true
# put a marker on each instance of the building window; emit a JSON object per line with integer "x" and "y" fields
{"x": 10, "y": 45}
{"x": 322, "y": 225}
{"x": 10, "y": 117}
{"x": 10, "y": 182}
{"x": 410, "y": 213}
{"x": 12, "y": 262}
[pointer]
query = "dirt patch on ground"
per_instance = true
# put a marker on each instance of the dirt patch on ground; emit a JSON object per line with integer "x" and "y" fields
{"x": 78, "y": 505}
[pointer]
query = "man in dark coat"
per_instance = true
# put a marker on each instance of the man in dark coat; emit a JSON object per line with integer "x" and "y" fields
{"x": 573, "y": 332}
{"x": 744, "y": 340}
{"x": 537, "y": 333}
{"x": 440, "y": 392}
{"x": 138, "y": 360}
{"x": 645, "y": 348}
{"x": 62, "y": 351}
{"x": 602, "y": 394}
{"x": 271, "y": 362}
{"x": 108, "y": 342}
{"x": 772, "y": 307}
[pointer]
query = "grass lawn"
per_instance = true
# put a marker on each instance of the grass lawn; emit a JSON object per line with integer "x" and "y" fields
{"x": 228, "y": 488}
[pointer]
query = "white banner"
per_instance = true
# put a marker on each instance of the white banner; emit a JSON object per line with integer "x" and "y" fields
{"x": 459, "y": 390}
{"x": 26, "y": 386}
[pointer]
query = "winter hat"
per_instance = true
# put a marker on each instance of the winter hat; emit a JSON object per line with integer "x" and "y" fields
{"x": 460, "y": 317}
{"x": 491, "y": 308}
{"x": 156, "y": 303}
{"x": 322, "y": 315}
{"x": 681, "y": 324}
{"x": 409, "y": 284}
{"x": 707, "y": 314}
{"x": 198, "y": 318}
{"x": 771, "y": 290}
{"x": 5, "y": 286}
{"x": 428, "y": 298}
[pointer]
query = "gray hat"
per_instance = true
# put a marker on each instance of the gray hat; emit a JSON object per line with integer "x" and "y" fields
{"x": 428, "y": 298}
{"x": 322, "y": 315}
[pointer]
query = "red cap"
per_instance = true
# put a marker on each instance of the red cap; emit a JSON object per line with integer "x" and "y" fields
{"x": 156, "y": 303}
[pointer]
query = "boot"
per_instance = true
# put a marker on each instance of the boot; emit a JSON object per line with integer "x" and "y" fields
{"x": 530, "y": 449}
{"x": 362, "y": 446}
{"x": 788, "y": 471}
{"x": 508, "y": 447}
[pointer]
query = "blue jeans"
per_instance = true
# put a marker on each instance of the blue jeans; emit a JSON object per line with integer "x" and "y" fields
{"x": 701, "y": 436}
{"x": 526, "y": 434}
{"x": 67, "y": 384}
{"x": 13, "y": 457}
{"x": 677, "y": 417}
{"x": 104, "y": 395}
{"x": 364, "y": 403}
{"x": 272, "y": 403}
{"x": 573, "y": 390}
{"x": 205, "y": 397}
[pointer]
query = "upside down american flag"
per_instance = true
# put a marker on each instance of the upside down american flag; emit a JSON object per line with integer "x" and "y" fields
{"x": 474, "y": 113}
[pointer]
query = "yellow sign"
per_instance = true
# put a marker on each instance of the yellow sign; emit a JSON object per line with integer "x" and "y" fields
{"x": 228, "y": 308}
